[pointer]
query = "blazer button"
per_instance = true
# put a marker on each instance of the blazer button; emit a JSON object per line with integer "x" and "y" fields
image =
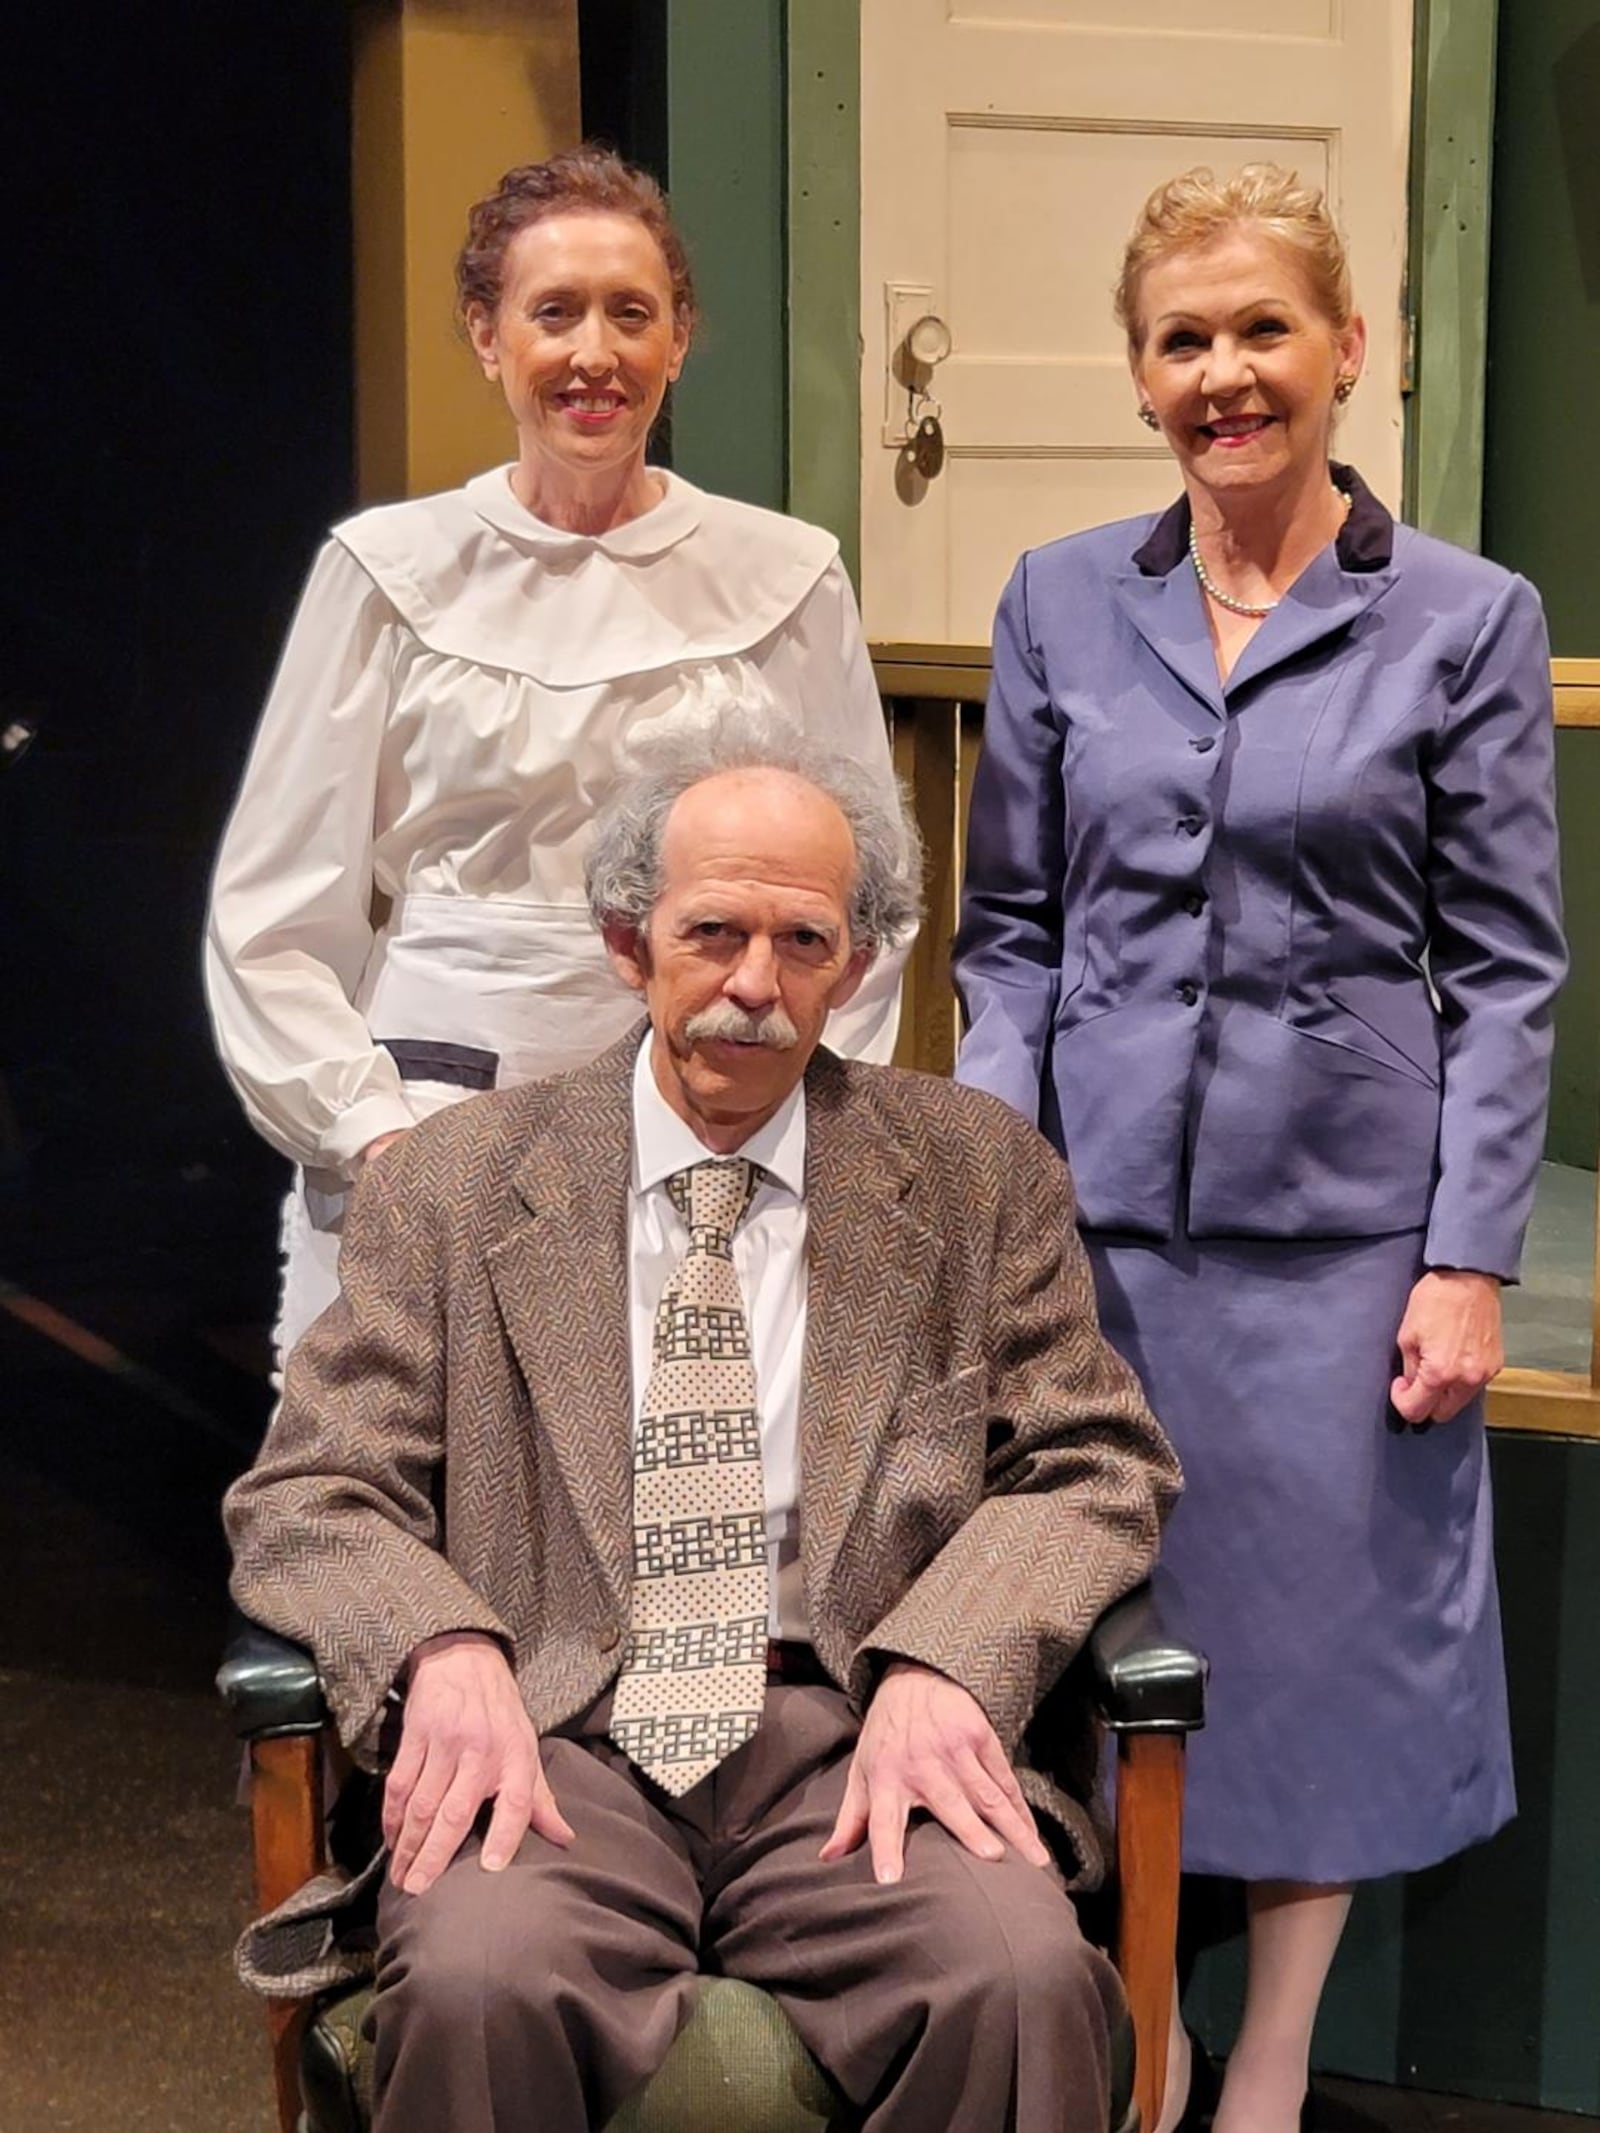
{"x": 1194, "y": 903}
{"x": 1205, "y": 744}
{"x": 610, "y": 1639}
{"x": 1191, "y": 825}
{"x": 1188, "y": 992}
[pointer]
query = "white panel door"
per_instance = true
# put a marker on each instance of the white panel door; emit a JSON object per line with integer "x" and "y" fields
{"x": 1006, "y": 147}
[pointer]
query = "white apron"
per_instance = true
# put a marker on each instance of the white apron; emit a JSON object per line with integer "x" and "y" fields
{"x": 471, "y": 994}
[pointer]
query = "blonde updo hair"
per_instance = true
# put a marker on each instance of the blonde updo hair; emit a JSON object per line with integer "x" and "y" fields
{"x": 1195, "y": 210}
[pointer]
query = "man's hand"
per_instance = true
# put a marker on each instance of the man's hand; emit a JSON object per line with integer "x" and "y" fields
{"x": 1449, "y": 1344}
{"x": 466, "y": 1739}
{"x": 926, "y": 1743}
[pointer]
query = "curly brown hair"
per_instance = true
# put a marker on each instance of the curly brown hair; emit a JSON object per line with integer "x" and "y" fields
{"x": 587, "y": 179}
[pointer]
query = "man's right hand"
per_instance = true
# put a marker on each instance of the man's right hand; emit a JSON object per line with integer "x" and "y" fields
{"x": 466, "y": 1739}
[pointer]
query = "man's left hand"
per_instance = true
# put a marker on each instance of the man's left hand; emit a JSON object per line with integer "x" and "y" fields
{"x": 927, "y": 1744}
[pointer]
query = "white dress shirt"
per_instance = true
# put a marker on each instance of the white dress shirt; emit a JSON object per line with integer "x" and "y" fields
{"x": 460, "y": 689}
{"x": 769, "y": 1255}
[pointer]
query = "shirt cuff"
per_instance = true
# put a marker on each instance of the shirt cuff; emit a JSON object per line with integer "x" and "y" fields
{"x": 356, "y": 1128}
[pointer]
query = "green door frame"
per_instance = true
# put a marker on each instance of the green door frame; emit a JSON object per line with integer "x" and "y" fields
{"x": 1452, "y": 141}
{"x": 824, "y": 98}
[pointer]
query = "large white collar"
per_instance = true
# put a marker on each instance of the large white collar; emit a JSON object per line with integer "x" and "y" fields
{"x": 477, "y": 577}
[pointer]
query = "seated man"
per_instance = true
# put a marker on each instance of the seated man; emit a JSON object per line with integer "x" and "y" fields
{"x": 717, "y": 1447}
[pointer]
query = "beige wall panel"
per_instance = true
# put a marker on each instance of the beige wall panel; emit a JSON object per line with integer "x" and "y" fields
{"x": 448, "y": 94}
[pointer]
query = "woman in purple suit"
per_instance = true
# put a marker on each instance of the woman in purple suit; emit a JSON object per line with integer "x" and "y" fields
{"x": 1262, "y": 925}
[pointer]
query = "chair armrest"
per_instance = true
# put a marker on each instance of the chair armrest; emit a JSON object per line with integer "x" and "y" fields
{"x": 270, "y": 1686}
{"x": 1144, "y": 1680}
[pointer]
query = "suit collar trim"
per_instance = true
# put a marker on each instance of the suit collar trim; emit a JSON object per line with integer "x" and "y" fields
{"x": 1364, "y": 543}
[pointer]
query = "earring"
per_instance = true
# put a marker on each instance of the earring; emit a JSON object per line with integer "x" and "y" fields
{"x": 1148, "y": 416}
{"x": 1344, "y": 387}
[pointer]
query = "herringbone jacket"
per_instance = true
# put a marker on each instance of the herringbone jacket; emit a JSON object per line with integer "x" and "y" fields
{"x": 980, "y": 1476}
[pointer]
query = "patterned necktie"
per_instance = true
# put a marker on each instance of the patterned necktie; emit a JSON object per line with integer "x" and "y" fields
{"x": 693, "y": 1676}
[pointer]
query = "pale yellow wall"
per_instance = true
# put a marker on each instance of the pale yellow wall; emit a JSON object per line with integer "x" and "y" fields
{"x": 447, "y": 95}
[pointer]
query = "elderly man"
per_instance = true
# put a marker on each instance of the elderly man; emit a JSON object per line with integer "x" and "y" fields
{"x": 716, "y": 1450}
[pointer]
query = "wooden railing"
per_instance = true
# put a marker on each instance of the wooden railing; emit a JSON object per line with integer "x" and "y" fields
{"x": 934, "y": 697}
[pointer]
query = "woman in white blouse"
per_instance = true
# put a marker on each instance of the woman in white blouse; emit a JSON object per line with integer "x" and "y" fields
{"x": 397, "y": 916}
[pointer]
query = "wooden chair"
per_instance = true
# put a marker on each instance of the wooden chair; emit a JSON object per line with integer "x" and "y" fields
{"x": 738, "y": 2063}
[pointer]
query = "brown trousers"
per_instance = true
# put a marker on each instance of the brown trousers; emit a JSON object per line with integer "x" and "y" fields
{"x": 962, "y": 2000}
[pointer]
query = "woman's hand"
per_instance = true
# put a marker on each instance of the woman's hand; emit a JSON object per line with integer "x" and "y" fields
{"x": 1449, "y": 1344}
{"x": 376, "y": 1148}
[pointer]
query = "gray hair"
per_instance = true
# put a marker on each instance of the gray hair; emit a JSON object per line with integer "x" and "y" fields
{"x": 623, "y": 874}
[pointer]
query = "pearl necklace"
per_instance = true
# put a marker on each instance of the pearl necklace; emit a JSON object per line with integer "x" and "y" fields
{"x": 1215, "y": 592}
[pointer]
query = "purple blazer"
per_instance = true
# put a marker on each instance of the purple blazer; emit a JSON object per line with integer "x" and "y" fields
{"x": 1200, "y": 922}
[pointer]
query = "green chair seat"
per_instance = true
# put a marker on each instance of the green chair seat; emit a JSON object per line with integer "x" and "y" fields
{"x": 737, "y": 2067}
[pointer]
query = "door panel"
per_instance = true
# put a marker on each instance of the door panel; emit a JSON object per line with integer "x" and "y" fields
{"x": 1289, "y": 18}
{"x": 1007, "y": 145}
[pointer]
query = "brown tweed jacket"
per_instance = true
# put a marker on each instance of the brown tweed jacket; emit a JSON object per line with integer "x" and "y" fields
{"x": 980, "y": 1476}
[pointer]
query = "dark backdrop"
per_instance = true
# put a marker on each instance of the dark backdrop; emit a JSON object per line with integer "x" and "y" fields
{"x": 175, "y": 430}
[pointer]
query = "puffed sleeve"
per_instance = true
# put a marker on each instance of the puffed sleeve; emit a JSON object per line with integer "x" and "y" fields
{"x": 842, "y": 709}
{"x": 1008, "y": 949}
{"x": 1496, "y": 951}
{"x": 289, "y": 930}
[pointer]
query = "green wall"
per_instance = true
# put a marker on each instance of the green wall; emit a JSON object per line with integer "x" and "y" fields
{"x": 727, "y": 174}
{"x": 1542, "y": 470}
{"x": 762, "y": 158}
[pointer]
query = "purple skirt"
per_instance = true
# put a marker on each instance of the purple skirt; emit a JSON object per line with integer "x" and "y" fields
{"x": 1338, "y": 1571}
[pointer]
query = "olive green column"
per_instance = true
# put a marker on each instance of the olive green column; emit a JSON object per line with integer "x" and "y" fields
{"x": 445, "y": 95}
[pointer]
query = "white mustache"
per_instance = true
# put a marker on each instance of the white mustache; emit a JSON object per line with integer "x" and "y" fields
{"x": 732, "y": 1025}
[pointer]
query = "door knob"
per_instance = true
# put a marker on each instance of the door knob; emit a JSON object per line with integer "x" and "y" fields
{"x": 928, "y": 340}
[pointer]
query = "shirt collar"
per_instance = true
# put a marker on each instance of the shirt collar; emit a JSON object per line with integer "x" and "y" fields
{"x": 1364, "y": 542}
{"x": 652, "y": 533}
{"x": 663, "y": 1143}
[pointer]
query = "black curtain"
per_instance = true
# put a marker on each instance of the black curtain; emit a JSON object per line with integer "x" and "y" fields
{"x": 176, "y": 431}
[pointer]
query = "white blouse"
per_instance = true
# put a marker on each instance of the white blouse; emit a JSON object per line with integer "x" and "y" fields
{"x": 458, "y": 692}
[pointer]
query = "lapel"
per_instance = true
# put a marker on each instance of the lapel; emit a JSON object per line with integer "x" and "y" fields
{"x": 1167, "y": 612}
{"x": 1325, "y": 600}
{"x": 870, "y": 1262}
{"x": 560, "y": 1276}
